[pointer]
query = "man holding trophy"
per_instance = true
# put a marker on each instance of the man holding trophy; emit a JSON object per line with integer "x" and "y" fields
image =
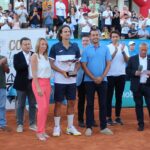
{"x": 64, "y": 58}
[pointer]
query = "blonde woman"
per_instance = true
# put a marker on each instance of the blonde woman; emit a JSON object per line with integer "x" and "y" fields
{"x": 41, "y": 72}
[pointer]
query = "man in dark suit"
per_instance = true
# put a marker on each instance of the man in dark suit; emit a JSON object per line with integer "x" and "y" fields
{"x": 138, "y": 69}
{"x": 23, "y": 84}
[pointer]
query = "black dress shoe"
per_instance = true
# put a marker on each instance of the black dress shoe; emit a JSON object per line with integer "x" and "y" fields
{"x": 140, "y": 128}
{"x": 81, "y": 124}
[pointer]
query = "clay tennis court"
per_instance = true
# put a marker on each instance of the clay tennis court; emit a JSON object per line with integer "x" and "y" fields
{"x": 125, "y": 137}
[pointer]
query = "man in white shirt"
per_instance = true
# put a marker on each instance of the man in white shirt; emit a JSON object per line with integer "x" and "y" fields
{"x": 85, "y": 24}
{"x": 5, "y": 21}
{"x": 108, "y": 15}
{"x": 138, "y": 69}
{"x": 116, "y": 77}
{"x": 60, "y": 12}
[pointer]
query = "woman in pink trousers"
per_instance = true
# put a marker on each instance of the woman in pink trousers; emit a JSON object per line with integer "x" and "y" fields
{"x": 41, "y": 72}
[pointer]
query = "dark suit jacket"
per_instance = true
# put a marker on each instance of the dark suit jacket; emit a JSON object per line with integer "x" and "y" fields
{"x": 21, "y": 80}
{"x": 131, "y": 68}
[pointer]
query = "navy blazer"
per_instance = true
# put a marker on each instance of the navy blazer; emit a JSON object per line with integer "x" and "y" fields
{"x": 21, "y": 80}
{"x": 132, "y": 67}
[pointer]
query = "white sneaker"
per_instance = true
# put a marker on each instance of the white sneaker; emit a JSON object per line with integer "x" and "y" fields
{"x": 73, "y": 131}
{"x": 56, "y": 131}
{"x": 88, "y": 132}
{"x": 106, "y": 131}
{"x": 19, "y": 128}
{"x": 33, "y": 127}
{"x": 41, "y": 137}
{"x": 45, "y": 135}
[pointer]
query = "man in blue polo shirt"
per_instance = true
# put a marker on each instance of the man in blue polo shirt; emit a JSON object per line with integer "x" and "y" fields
{"x": 96, "y": 61}
{"x": 64, "y": 58}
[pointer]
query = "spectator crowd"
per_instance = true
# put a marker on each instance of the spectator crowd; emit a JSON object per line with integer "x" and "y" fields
{"x": 101, "y": 15}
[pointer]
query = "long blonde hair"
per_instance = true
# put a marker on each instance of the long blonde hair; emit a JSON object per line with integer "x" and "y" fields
{"x": 38, "y": 46}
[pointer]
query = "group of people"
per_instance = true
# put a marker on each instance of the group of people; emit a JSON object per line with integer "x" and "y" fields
{"x": 95, "y": 68}
{"x": 80, "y": 18}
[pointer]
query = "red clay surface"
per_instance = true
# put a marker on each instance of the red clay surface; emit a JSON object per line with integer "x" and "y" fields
{"x": 125, "y": 137}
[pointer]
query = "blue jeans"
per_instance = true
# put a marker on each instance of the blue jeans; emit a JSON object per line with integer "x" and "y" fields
{"x": 21, "y": 102}
{"x": 2, "y": 107}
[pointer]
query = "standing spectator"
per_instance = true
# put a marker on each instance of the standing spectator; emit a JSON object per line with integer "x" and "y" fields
{"x": 3, "y": 69}
{"x": 5, "y": 21}
{"x": 147, "y": 22}
{"x": 69, "y": 23}
{"x": 64, "y": 57}
{"x": 138, "y": 69}
{"x": 132, "y": 34}
{"x": 116, "y": 19}
{"x": 10, "y": 10}
{"x": 96, "y": 68}
{"x": 94, "y": 15}
{"x": 18, "y": 4}
{"x": 85, "y": 7}
{"x": 116, "y": 77}
{"x": 15, "y": 22}
{"x": 32, "y": 4}
{"x": 143, "y": 33}
{"x": 46, "y": 3}
{"x": 72, "y": 5}
{"x": 125, "y": 26}
{"x": 74, "y": 19}
{"x": 81, "y": 86}
{"x": 60, "y": 12}
{"x": 85, "y": 24}
{"x": 95, "y": 5}
{"x": 124, "y": 12}
{"x": 34, "y": 18}
{"x": 41, "y": 71}
{"x": 48, "y": 18}
{"x": 23, "y": 16}
{"x": 108, "y": 15}
{"x": 141, "y": 21}
{"x": 22, "y": 84}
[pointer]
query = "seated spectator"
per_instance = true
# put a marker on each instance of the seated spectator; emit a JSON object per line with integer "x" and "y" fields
{"x": 23, "y": 16}
{"x": 72, "y": 5}
{"x": 5, "y": 21}
{"x": 105, "y": 33}
{"x": 48, "y": 18}
{"x": 15, "y": 22}
{"x": 34, "y": 19}
{"x": 69, "y": 23}
{"x": 93, "y": 15}
{"x": 143, "y": 33}
{"x": 134, "y": 20}
{"x": 108, "y": 15}
{"x": 85, "y": 24}
{"x": 132, "y": 34}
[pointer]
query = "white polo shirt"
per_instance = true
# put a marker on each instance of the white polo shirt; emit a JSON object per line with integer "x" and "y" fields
{"x": 118, "y": 63}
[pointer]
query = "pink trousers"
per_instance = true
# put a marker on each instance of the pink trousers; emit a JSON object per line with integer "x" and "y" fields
{"x": 42, "y": 102}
